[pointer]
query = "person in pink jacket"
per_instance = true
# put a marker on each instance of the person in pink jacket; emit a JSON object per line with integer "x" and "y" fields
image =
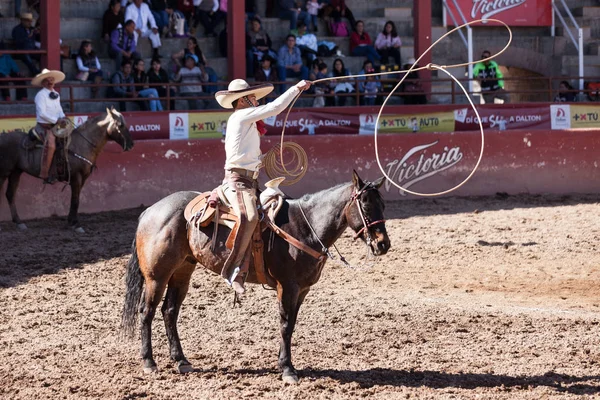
{"x": 388, "y": 44}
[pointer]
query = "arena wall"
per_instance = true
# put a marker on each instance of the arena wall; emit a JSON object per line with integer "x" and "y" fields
{"x": 515, "y": 161}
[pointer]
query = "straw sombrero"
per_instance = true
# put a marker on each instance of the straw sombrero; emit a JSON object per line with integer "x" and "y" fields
{"x": 26, "y": 16}
{"x": 46, "y": 73}
{"x": 239, "y": 88}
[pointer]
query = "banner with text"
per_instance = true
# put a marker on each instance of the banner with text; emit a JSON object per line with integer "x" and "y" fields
{"x": 513, "y": 12}
{"x": 428, "y": 122}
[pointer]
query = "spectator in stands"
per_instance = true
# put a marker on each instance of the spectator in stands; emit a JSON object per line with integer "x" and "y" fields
{"x": 139, "y": 76}
{"x": 187, "y": 8}
{"x": 361, "y": 44}
{"x": 306, "y": 42}
{"x": 125, "y": 88}
{"x": 258, "y": 44}
{"x": 251, "y": 10}
{"x": 340, "y": 87}
{"x": 157, "y": 75}
{"x": 267, "y": 71}
{"x": 490, "y": 78}
{"x": 122, "y": 44}
{"x": 566, "y": 93}
{"x": 412, "y": 88}
{"x": 160, "y": 14}
{"x": 339, "y": 10}
{"x": 209, "y": 14}
{"x": 388, "y": 44}
{"x": 88, "y": 66}
{"x": 292, "y": 10}
{"x": 368, "y": 68}
{"x": 312, "y": 8}
{"x": 192, "y": 76}
{"x": 322, "y": 88}
{"x": 113, "y": 17}
{"x": 194, "y": 48}
{"x": 24, "y": 37}
{"x": 146, "y": 27}
{"x": 8, "y": 68}
{"x": 372, "y": 86}
{"x": 289, "y": 61}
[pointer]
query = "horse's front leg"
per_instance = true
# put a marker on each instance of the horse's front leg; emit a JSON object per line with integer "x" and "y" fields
{"x": 76, "y": 186}
{"x": 290, "y": 299}
{"x": 11, "y": 191}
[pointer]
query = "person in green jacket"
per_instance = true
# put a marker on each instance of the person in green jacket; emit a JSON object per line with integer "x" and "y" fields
{"x": 490, "y": 78}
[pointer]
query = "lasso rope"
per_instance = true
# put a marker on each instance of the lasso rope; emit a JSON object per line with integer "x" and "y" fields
{"x": 298, "y": 162}
{"x": 406, "y": 72}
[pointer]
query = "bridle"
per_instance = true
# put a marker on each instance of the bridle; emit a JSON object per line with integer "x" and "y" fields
{"x": 365, "y": 220}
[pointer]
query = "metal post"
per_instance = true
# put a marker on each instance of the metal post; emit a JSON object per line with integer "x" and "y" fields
{"x": 581, "y": 73}
{"x": 470, "y": 51}
{"x": 236, "y": 39}
{"x": 50, "y": 33}
{"x": 422, "y": 34}
{"x": 553, "y": 29}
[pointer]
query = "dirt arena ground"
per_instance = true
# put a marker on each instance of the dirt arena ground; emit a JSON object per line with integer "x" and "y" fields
{"x": 487, "y": 298}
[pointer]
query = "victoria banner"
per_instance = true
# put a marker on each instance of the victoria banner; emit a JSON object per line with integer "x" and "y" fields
{"x": 511, "y": 12}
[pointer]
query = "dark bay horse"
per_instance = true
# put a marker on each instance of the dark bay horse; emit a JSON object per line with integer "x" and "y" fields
{"x": 87, "y": 142}
{"x": 163, "y": 258}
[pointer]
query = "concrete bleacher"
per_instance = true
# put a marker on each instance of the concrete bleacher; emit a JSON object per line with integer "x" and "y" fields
{"x": 533, "y": 48}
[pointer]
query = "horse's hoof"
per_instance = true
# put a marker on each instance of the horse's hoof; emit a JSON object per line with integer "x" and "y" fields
{"x": 151, "y": 370}
{"x": 184, "y": 367}
{"x": 79, "y": 230}
{"x": 291, "y": 379}
{"x": 22, "y": 226}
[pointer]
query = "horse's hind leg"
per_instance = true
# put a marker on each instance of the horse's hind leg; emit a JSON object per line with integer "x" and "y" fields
{"x": 153, "y": 292}
{"x": 11, "y": 191}
{"x": 176, "y": 292}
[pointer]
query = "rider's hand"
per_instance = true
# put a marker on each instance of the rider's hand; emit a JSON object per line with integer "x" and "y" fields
{"x": 303, "y": 85}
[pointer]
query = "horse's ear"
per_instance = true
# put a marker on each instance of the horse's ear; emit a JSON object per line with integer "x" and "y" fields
{"x": 109, "y": 112}
{"x": 358, "y": 183}
{"x": 379, "y": 182}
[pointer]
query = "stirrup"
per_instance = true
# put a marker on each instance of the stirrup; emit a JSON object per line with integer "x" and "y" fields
{"x": 51, "y": 180}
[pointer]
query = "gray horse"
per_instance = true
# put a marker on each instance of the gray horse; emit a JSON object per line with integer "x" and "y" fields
{"x": 87, "y": 142}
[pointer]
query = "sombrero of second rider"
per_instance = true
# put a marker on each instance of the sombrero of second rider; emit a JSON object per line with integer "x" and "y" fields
{"x": 239, "y": 88}
{"x": 46, "y": 73}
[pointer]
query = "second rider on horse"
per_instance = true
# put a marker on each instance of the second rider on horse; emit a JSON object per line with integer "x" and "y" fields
{"x": 49, "y": 113}
{"x": 243, "y": 161}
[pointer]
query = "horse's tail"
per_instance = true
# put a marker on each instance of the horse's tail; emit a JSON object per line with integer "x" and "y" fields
{"x": 134, "y": 281}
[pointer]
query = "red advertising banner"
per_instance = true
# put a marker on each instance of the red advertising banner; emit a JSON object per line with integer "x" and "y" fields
{"x": 534, "y": 117}
{"x": 311, "y": 123}
{"x": 512, "y": 12}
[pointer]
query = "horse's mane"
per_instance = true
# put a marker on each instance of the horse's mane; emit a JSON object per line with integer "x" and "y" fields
{"x": 91, "y": 121}
{"x": 322, "y": 195}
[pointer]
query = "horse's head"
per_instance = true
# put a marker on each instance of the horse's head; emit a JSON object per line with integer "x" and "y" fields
{"x": 365, "y": 214}
{"x": 117, "y": 129}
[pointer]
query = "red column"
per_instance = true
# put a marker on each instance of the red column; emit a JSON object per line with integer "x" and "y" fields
{"x": 236, "y": 39}
{"x": 422, "y": 33}
{"x": 50, "y": 33}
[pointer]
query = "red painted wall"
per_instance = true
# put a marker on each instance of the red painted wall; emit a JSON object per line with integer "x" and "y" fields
{"x": 514, "y": 162}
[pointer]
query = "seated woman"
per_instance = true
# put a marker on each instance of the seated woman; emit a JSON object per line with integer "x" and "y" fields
{"x": 157, "y": 75}
{"x": 258, "y": 44}
{"x": 192, "y": 47}
{"x": 88, "y": 66}
{"x": 340, "y": 87}
{"x": 388, "y": 44}
{"x": 139, "y": 76}
{"x": 361, "y": 44}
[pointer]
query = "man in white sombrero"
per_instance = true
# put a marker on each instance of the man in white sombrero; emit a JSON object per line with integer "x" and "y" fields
{"x": 48, "y": 113}
{"x": 243, "y": 161}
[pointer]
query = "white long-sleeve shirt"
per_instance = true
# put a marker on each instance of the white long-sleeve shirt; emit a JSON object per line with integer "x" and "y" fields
{"x": 47, "y": 110}
{"x": 242, "y": 139}
{"x": 141, "y": 15}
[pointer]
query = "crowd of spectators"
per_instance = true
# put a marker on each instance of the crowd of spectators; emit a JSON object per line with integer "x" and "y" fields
{"x": 125, "y": 22}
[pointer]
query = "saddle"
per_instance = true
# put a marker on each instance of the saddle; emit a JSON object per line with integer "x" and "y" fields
{"x": 212, "y": 207}
{"x": 60, "y": 163}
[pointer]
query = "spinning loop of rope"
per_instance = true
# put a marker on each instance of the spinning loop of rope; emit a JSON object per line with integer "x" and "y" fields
{"x": 300, "y": 169}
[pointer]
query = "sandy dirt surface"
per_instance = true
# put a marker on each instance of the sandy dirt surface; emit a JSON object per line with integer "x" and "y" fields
{"x": 487, "y": 298}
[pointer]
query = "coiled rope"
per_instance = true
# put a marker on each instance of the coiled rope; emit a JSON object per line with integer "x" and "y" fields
{"x": 300, "y": 169}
